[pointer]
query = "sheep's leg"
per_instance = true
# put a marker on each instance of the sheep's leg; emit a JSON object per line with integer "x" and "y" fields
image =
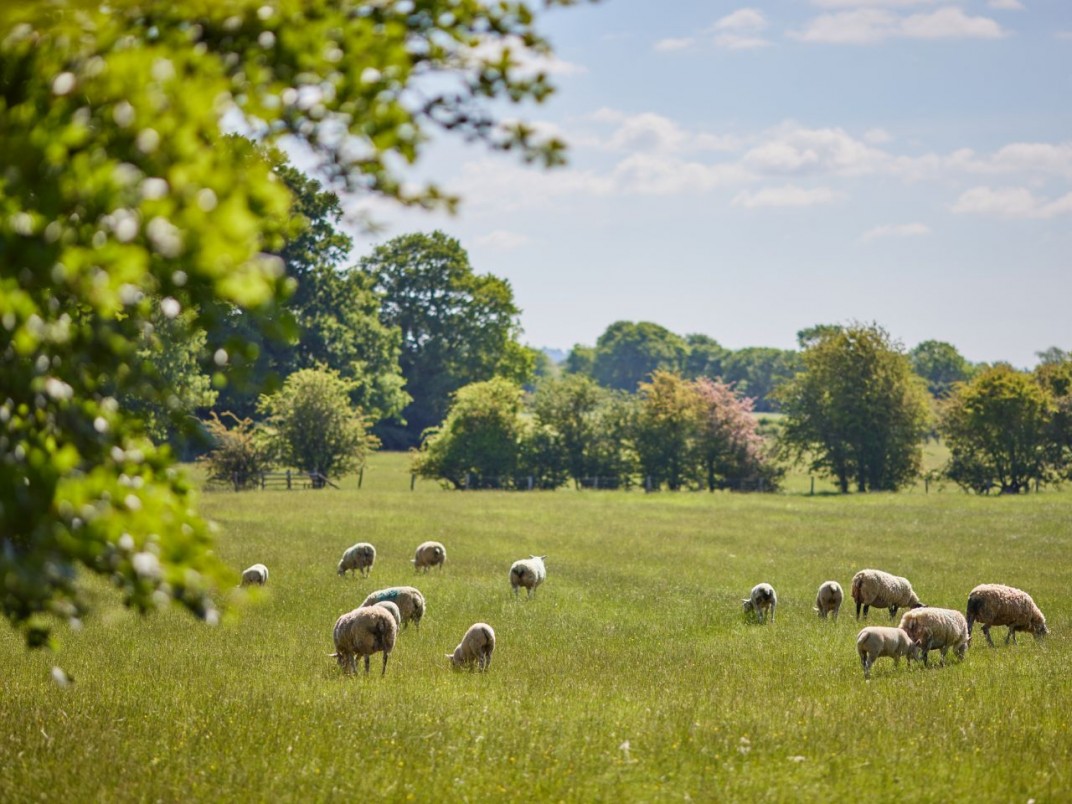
{"x": 1012, "y": 635}
{"x": 867, "y": 608}
{"x": 366, "y": 664}
{"x": 772, "y": 612}
{"x": 893, "y": 612}
{"x": 944, "y": 649}
{"x": 986, "y": 633}
{"x": 385, "y": 656}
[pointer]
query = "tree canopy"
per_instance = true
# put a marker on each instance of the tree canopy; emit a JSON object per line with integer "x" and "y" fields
{"x": 627, "y": 353}
{"x": 941, "y": 365}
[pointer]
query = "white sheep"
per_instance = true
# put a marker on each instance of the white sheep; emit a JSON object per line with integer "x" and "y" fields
{"x": 362, "y": 632}
{"x": 475, "y": 649}
{"x": 937, "y": 629}
{"x": 428, "y": 555}
{"x": 871, "y": 587}
{"x": 257, "y": 575}
{"x": 995, "y": 604}
{"x": 876, "y": 641}
{"x": 762, "y": 599}
{"x": 528, "y": 572}
{"x": 828, "y": 599}
{"x": 359, "y": 558}
{"x": 410, "y": 602}
{"x": 393, "y": 608}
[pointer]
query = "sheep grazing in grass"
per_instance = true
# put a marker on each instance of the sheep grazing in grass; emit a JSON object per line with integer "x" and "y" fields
{"x": 937, "y": 629}
{"x": 994, "y": 604}
{"x": 393, "y": 608}
{"x": 475, "y": 649}
{"x": 428, "y": 555}
{"x": 358, "y": 558}
{"x": 257, "y": 575}
{"x": 828, "y": 599}
{"x": 410, "y": 602}
{"x": 875, "y": 641}
{"x": 871, "y": 587}
{"x": 363, "y": 632}
{"x": 762, "y": 599}
{"x": 528, "y": 572}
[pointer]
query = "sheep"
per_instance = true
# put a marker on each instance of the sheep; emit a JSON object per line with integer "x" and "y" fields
{"x": 475, "y": 649}
{"x": 762, "y": 598}
{"x": 359, "y": 558}
{"x": 828, "y": 599}
{"x": 937, "y": 629}
{"x": 393, "y": 608}
{"x": 995, "y": 604}
{"x": 875, "y": 641}
{"x": 410, "y": 602}
{"x": 362, "y": 632}
{"x": 428, "y": 555}
{"x": 871, "y": 587}
{"x": 528, "y": 572}
{"x": 256, "y": 575}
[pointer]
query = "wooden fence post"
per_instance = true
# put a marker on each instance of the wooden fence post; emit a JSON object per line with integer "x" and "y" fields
{"x": 412, "y": 480}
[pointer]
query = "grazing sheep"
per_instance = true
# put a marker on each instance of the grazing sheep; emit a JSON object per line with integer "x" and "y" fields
{"x": 475, "y": 649}
{"x": 256, "y": 575}
{"x": 359, "y": 558}
{"x": 995, "y": 604}
{"x": 528, "y": 572}
{"x": 410, "y": 602}
{"x": 391, "y": 607}
{"x": 828, "y": 599}
{"x": 362, "y": 632}
{"x": 871, "y": 587}
{"x": 763, "y": 598}
{"x": 875, "y": 641}
{"x": 428, "y": 555}
{"x": 937, "y": 629}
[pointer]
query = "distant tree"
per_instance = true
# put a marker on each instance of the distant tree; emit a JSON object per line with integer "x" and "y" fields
{"x": 628, "y": 353}
{"x": 809, "y": 336}
{"x": 1053, "y": 356}
{"x": 1055, "y": 377}
{"x": 239, "y": 452}
{"x": 756, "y": 371}
{"x": 727, "y": 445}
{"x": 572, "y": 408}
{"x": 705, "y": 357}
{"x": 667, "y": 424}
{"x": 941, "y": 365}
{"x": 580, "y": 360}
{"x": 856, "y": 411}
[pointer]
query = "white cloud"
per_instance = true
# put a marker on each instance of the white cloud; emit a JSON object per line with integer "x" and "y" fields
{"x": 873, "y": 3}
{"x": 648, "y": 174}
{"x": 863, "y": 26}
{"x": 1010, "y": 202}
{"x": 653, "y": 132}
{"x": 877, "y": 136}
{"x": 896, "y": 230}
{"x": 791, "y": 149}
{"x": 502, "y": 240}
{"x": 528, "y": 62}
{"x": 740, "y": 30}
{"x": 671, "y": 45}
{"x": 950, "y": 23}
{"x": 1007, "y": 5}
{"x": 787, "y": 196}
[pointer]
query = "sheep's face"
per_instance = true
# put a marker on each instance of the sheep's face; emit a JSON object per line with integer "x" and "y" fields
{"x": 456, "y": 662}
{"x": 1039, "y": 629}
{"x": 342, "y": 569}
{"x": 747, "y": 605}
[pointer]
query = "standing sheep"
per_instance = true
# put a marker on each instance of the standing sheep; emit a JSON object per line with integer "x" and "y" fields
{"x": 871, "y": 587}
{"x": 876, "y": 641}
{"x": 362, "y": 632}
{"x": 428, "y": 555}
{"x": 828, "y": 599}
{"x": 475, "y": 649}
{"x": 995, "y": 604}
{"x": 257, "y": 575}
{"x": 391, "y": 607}
{"x": 359, "y": 558}
{"x": 937, "y": 629}
{"x": 528, "y": 572}
{"x": 762, "y": 599}
{"x": 410, "y": 602}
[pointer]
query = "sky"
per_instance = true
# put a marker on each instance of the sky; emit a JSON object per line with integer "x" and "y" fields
{"x": 746, "y": 171}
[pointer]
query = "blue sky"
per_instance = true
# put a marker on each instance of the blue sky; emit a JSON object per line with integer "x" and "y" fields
{"x": 745, "y": 171}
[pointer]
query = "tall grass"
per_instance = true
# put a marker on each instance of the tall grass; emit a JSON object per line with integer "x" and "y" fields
{"x": 631, "y": 675}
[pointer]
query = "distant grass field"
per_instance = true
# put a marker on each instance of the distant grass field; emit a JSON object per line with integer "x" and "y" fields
{"x": 631, "y": 676}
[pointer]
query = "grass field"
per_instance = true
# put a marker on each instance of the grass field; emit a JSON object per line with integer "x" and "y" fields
{"x": 631, "y": 676}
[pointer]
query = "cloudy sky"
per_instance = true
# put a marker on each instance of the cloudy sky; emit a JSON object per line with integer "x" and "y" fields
{"x": 745, "y": 171}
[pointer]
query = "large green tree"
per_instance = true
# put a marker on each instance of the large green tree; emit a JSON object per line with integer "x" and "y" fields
{"x": 756, "y": 371}
{"x": 941, "y": 365}
{"x": 628, "y": 353}
{"x": 120, "y": 189}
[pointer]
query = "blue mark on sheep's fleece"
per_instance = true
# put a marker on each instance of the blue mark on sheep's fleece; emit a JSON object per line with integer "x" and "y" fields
{"x": 387, "y": 594}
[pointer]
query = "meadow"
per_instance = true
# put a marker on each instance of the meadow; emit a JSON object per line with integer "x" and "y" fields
{"x": 631, "y": 675}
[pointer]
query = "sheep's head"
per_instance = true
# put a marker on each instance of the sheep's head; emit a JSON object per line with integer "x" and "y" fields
{"x": 747, "y": 605}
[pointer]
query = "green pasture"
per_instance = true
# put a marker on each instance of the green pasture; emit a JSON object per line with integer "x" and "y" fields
{"x": 630, "y": 676}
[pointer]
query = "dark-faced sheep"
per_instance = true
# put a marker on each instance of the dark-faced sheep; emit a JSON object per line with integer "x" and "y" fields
{"x": 994, "y": 604}
{"x": 358, "y": 558}
{"x": 871, "y": 587}
{"x": 528, "y": 572}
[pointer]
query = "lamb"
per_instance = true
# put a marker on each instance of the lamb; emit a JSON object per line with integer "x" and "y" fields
{"x": 875, "y": 641}
{"x": 410, "y": 602}
{"x": 528, "y": 572}
{"x": 937, "y": 629}
{"x": 256, "y": 575}
{"x": 995, "y": 604}
{"x": 871, "y": 587}
{"x": 475, "y": 649}
{"x": 362, "y": 632}
{"x": 359, "y": 558}
{"x": 391, "y": 607}
{"x": 828, "y": 599}
{"x": 428, "y": 555}
{"x": 762, "y": 599}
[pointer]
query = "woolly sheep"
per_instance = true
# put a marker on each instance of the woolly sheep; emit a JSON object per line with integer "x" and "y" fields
{"x": 428, "y": 555}
{"x": 391, "y": 607}
{"x": 256, "y": 575}
{"x": 359, "y": 558}
{"x": 871, "y": 587}
{"x": 362, "y": 632}
{"x": 995, "y": 604}
{"x": 763, "y": 598}
{"x": 875, "y": 641}
{"x": 828, "y": 599}
{"x": 410, "y": 602}
{"x": 528, "y": 572}
{"x": 937, "y": 629}
{"x": 475, "y": 649}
